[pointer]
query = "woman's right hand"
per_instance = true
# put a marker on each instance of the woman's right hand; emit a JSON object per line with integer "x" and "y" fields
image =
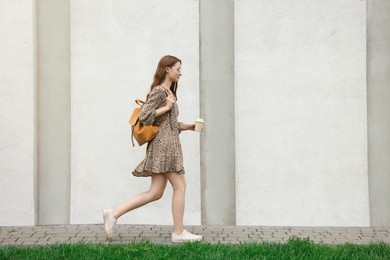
{"x": 170, "y": 101}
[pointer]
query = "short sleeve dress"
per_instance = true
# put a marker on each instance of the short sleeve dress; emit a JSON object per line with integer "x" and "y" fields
{"x": 164, "y": 152}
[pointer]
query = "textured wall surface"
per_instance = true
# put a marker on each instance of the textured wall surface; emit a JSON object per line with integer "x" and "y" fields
{"x": 17, "y": 120}
{"x": 53, "y": 40}
{"x": 217, "y": 106}
{"x": 378, "y": 90}
{"x": 115, "y": 48}
{"x": 300, "y": 95}
{"x": 300, "y": 110}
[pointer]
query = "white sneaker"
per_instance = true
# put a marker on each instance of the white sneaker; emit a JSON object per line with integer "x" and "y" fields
{"x": 109, "y": 223}
{"x": 185, "y": 237}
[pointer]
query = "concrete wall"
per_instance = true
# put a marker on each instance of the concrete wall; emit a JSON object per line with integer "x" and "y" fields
{"x": 114, "y": 53}
{"x": 53, "y": 38}
{"x": 17, "y": 113}
{"x": 217, "y": 108}
{"x": 295, "y": 155}
{"x": 378, "y": 82}
{"x": 301, "y": 122}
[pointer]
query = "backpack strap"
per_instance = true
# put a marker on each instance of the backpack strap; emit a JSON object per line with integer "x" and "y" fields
{"x": 134, "y": 118}
{"x": 139, "y": 102}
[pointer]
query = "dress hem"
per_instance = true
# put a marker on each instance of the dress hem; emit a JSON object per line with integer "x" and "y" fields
{"x": 148, "y": 174}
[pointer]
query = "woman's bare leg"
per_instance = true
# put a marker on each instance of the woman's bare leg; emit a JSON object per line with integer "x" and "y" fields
{"x": 157, "y": 187}
{"x": 178, "y": 183}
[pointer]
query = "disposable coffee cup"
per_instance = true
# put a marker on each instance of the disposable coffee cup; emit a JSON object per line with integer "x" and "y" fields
{"x": 199, "y": 123}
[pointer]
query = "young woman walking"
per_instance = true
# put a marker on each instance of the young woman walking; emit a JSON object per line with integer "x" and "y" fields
{"x": 164, "y": 159}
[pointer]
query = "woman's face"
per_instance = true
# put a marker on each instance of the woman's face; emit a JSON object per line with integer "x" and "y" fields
{"x": 174, "y": 72}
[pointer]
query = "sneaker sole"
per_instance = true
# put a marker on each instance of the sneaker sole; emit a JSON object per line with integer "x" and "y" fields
{"x": 186, "y": 240}
{"x": 106, "y": 228}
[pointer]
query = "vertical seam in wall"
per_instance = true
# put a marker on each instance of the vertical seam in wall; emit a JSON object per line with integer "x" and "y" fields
{"x": 234, "y": 118}
{"x": 69, "y": 118}
{"x": 367, "y": 110}
{"x": 35, "y": 112}
{"x": 202, "y": 208}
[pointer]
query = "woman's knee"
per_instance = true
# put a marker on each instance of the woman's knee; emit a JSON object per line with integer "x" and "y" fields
{"x": 156, "y": 195}
{"x": 177, "y": 181}
{"x": 180, "y": 187}
{"x": 157, "y": 187}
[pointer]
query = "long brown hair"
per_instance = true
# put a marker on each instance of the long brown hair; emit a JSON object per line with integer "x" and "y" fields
{"x": 159, "y": 75}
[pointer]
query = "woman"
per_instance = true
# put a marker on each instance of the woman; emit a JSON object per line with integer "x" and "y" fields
{"x": 164, "y": 159}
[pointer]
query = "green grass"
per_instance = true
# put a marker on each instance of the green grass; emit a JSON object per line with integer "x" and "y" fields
{"x": 295, "y": 248}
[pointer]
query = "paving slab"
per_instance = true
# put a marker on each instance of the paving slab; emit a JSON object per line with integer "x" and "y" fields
{"x": 94, "y": 233}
